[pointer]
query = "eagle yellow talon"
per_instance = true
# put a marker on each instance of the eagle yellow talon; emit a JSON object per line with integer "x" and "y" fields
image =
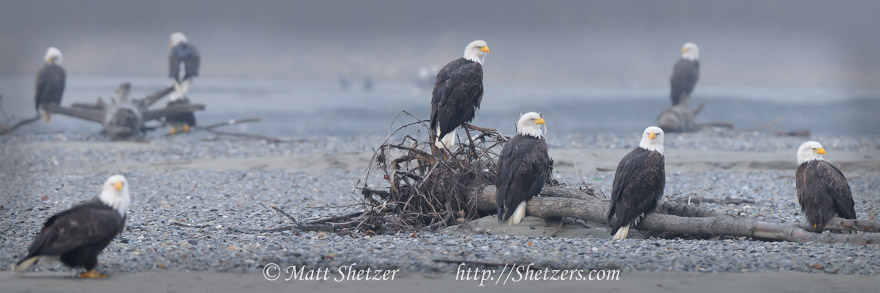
{"x": 186, "y": 128}
{"x": 172, "y": 131}
{"x": 92, "y": 274}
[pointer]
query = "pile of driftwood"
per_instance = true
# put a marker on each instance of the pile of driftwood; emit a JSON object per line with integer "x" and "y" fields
{"x": 419, "y": 189}
{"x": 424, "y": 188}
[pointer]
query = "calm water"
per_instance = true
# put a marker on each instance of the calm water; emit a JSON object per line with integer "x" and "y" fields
{"x": 303, "y": 109}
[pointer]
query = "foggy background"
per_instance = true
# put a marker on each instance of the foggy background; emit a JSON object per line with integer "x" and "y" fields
{"x": 589, "y": 66}
{"x": 608, "y": 43}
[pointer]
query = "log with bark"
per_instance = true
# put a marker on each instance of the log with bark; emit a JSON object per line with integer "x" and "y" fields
{"x": 565, "y": 202}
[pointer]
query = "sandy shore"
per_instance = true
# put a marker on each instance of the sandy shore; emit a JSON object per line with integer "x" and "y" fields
{"x": 171, "y": 281}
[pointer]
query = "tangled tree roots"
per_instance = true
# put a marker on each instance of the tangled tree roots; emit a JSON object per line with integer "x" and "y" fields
{"x": 418, "y": 187}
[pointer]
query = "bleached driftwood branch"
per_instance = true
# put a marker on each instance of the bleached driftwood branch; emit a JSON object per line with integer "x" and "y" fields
{"x": 5, "y": 128}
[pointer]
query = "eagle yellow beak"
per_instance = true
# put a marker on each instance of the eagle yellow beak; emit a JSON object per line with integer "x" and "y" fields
{"x": 117, "y": 185}
{"x": 683, "y": 49}
{"x": 485, "y": 49}
{"x": 820, "y": 151}
{"x": 652, "y": 135}
{"x": 540, "y": 121}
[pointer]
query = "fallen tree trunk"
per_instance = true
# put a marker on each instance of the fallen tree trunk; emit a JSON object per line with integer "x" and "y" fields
{"x": 672, "y": 208}
{"x": 548, "y": 206}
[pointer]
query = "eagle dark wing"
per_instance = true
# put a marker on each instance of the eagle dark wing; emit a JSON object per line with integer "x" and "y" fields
{"x": 189, "y": 56}
{"x": 457, "y": 94}
{"x": 50, "y": 85}
{"x": 522, "y": 167}
{"x": 85, "y": 224}
{"x": 684, "y": 78}
{"x": 838, "y": 189}
{"x": 637, "y": 187}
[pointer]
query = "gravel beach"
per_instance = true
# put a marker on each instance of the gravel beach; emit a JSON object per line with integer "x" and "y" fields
{"x": 188, "y": 191}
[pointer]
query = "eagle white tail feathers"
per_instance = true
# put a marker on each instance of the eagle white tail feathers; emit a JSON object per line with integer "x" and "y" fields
{"x": 24, "y": 264}
{"x": 180, "y": 89}
{"x": 518, "y": 214}
{"x": 47, "y": 116}
{"x": 447, "y": 141}
{"x": 621, "y": 233}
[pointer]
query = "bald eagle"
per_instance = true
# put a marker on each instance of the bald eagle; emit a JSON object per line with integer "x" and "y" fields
{"x": 822, "y": 190}
{"x": 458, "y": 90}
{"x": 638, "y": 183}
{"x": 78, "y": 234}
{"x": 522, "y": 167}
{"x": 182, "y": 68}
{"x": 685, "y": 74}
{"x": 50, "y": 82}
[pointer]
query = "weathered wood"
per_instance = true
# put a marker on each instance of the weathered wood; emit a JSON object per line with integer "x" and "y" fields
{"x": 125, "y": 117}
{"x": 597, "y": 211}
{"x": 77, "y": 112}
{"x": 148, "y": 101}
{"x": 20, "y": 124}
{"x": 171, "y": 110}
{"x": 679, "y": 118}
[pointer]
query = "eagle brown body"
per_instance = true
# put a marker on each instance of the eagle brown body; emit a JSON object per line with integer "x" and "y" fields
{"x": 823, "y": 193}
{"x": 522, "y": 168}
{"x": 457, "y": 94}
{"x": 76, "y": 235}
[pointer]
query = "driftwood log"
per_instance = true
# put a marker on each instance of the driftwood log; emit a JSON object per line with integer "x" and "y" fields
{"x": 566, "y": 202}
{"x": 680, "y": 118}
{"x": 124, "y": 117}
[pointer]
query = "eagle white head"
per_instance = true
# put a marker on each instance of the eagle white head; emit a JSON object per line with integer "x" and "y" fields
{"x": 810, "y": 151}
{"x": 476, "y": 51}
{"x": 530, "y": 125}
{"x": 690, "y": 51}
{"x": 652, "y": 139}
{"x": 177, "y": 38}
{"x": 53, "y": 55}
{"x": 115, "y": 194}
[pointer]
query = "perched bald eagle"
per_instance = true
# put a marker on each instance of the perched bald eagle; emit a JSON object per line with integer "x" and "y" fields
{"x": 182, "y": 68}
{"x": 458, "y": 90}
{"x": 638, "y": 183}
{"x": 78, "y": 234}
{"x": 522, "y": 167}
{"x": 685, "y": 74}
{"x": 50, "y": 82}
{"x": 821, "y": 188}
